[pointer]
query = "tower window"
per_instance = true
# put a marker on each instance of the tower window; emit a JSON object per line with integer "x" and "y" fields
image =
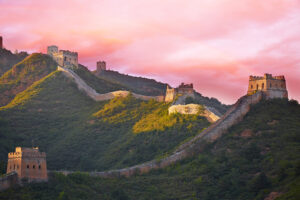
{"x": 251, "y": 86}
{"x": 257, "y": 86}
{"x": 27, "y": 166}
{"x": 40, "y": 167}
{"x": 262, "y": 86}
{"x": 33, "y": 166}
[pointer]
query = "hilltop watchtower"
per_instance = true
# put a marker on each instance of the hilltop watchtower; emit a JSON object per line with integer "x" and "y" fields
{"x": 182, "y": 89}
{"x": 29, "y": 163}
{"x": 272, "y": 86}
{"x": 1, "y": 42}
{"x": 63, "y": 58}
{"x": 101, "y": 66}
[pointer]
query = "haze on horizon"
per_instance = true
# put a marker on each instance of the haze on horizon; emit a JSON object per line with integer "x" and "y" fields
{"x": 215, "y": 44}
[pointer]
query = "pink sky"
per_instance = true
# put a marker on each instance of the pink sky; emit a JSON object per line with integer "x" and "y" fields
{"x": 216, "y": 44}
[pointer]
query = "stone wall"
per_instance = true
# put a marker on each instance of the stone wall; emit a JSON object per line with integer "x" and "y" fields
{"x": 81, "y": 84}
{"x": 8, "y": 180}
{"x": 232, "y": 116}
{"x": 193, "y": 109}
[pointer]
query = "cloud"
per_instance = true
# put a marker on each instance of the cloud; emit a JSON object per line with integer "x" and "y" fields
{"x": 216, "y": 44}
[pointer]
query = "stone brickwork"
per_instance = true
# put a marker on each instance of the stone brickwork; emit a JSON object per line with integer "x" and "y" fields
{"x": 28, "y": 163}
{"x": 183, "y": 89}
{"x": 63, "y": 58}
{"x": 271, "y": 85}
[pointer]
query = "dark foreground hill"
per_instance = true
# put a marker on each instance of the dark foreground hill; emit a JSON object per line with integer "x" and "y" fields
{"x": 9, "y": 59}
{"x": 258, "y": 158}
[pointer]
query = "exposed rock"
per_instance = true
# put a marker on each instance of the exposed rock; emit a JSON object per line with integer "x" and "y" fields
{"x": 246, "y": 133}
{"x": 194, "y": 109}
{"x": 273, "y": 195}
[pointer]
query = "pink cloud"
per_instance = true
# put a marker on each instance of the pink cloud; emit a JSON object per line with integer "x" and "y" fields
{"x": 216, "y": 44}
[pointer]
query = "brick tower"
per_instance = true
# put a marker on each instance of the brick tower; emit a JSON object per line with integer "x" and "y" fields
{"x": 1, "y": 42}
{"x": 29, "y": 164}
{"x": 101, "y": 66}
{"x": 272, "y": 86}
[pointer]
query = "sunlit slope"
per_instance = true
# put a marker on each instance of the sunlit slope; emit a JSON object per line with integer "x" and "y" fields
{"x": 80, "y": 134}
{"x": 23, "y": 74}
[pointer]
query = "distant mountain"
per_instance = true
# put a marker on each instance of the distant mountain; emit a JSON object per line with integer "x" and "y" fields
{"x": 258, "y": 158}
{"x": 23, "y": 74}
{"x": 8, "y": 59}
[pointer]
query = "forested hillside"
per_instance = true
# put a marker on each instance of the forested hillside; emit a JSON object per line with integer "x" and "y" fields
{"x": 9, "y": 59}
{"x": 256, "y": 159}
{"x": 80, "y": 134}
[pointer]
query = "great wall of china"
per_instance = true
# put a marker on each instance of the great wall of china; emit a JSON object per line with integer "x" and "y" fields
{"x": 231, "y": 117}
{"x": 234, "y": 115}
{"x": 102, "y": 97}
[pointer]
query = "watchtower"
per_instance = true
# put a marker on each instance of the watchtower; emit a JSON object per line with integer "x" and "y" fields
{"x": 101, "y": 66}
{"x": 29, "y": 164}
{"x": 1, "y": 42}
{"x": 272, "y": 86}
{"x": 64, "y": 58}
{"x": 182, "y": 89}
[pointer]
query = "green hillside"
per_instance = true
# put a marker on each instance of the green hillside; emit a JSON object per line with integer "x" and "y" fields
{"x": 80, "y": 134}
{"x": 259, "y": 156}
{"x": 23, "y": 74}
{"x": 8, "y": 59}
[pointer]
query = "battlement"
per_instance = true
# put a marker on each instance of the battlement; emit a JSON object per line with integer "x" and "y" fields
{"x": 64, "y": 58}
{"x": 268, "y": 84}
{"x": 183, "y": 85}
{"x": 22, "y": 152}
{"x": 266, "y": 76}
{"x": 67, "y": 52}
